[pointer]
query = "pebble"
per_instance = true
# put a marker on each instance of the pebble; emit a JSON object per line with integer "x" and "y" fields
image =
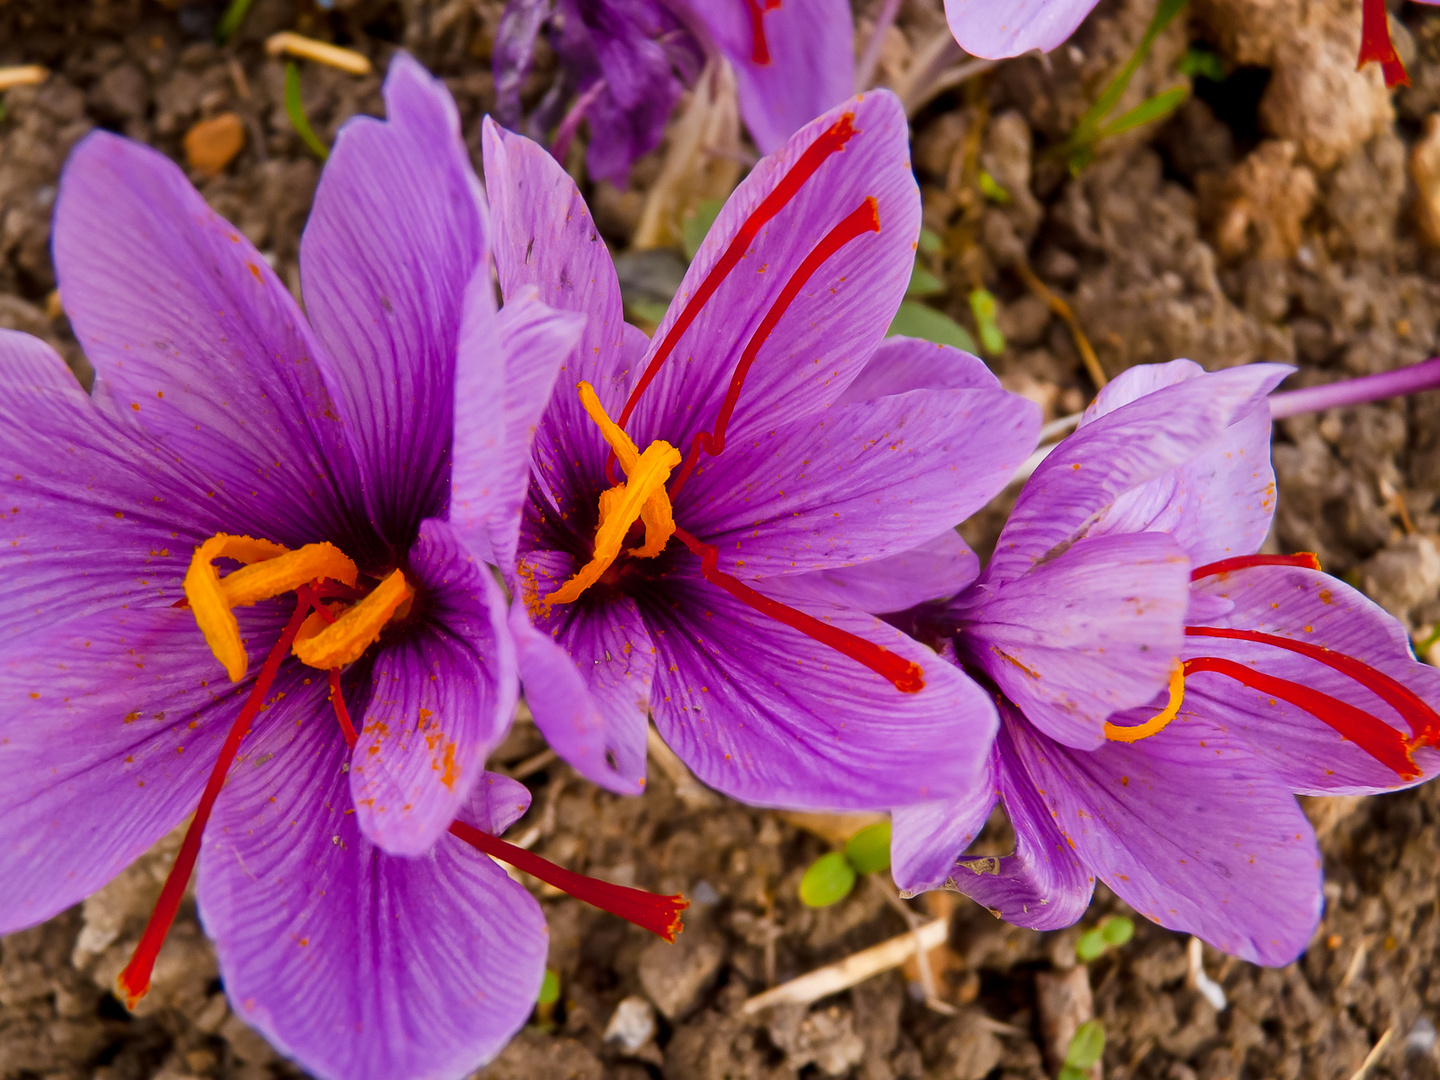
{"x": 632, "y": 1025}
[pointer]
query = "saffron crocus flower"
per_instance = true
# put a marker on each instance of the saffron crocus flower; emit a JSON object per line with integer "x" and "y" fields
{"x": 688, "y": 491}
{"x": 1129, "y": 563}
{"x": 225, "y": 429}
{"x": 624, "y": 64}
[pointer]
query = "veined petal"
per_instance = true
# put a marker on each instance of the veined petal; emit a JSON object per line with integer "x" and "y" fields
{"x": 769, "y": 716}
{"x": 902, "y": 364}
{"x": 193, "y": 335}
{"x": 934, "y": 570}
{"x": 440, "y": 698}
{"x": 834, "y": 322}
{"x": 996, "y": 29}
{"x": 926, "y": 838}
{"x": 396, "y": 234}
{"x": 109, "y": 726}
{"x": 351, "y": 961}
{"x": 1096, "y": 630}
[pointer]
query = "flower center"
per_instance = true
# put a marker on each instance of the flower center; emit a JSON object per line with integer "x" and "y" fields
{"x": 325, "y": 640}
{"x": 641, "y": 497}
{"x": 1381, "y": 741}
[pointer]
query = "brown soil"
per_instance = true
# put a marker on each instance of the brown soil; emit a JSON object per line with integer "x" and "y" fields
{"x": 1271, "y": 218}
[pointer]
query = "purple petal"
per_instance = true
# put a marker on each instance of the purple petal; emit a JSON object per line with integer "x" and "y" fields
{"x": 1093, "y": 631}
{"x": 395, "y": 235}
{"x": 926, "y": 838}
{"x": 935, "y": 570}
{"x": 996, "y": 29}
{"x": 772, "y": 717}
{"x": 1217, "y": 504}
{"x": 1190, "y": 830}
{"x": 545, "y": 238}
{"x": 109, "y": 727}
{"x": 587, "y": 678}
{"x": 351, "y": 961}
{"x": 513, "y": 356}
{"x": 1306, "y": 754}
{"x": 901, "y": 364}
{"x": 514, "y": 52}
{"x": 496, "y": 802}
{"x": 1042, "y": 885}
{"x": 441, "y": 698}
{"x": 192, "y": 333}
{"x": 835, "y": 321}
{"x": 1076, "y": 486}
{"x": 857, "y": 482}
{"x": 91, "y": 515}
{"x": 810, "y": 68}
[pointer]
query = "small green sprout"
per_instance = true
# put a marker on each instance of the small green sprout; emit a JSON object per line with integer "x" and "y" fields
{"x": 1086, "y": 1048}
{"x": 832, "y": 876}
{"x": 868, "y": 851}
{"x": 295, "y": 109}
{"x": 1110, "y": 934}
{"x": 230, "y": 22}
{"x": 984, "y": 308}
{"x": 1201, "y": 62}
{"x": 992, "y": 189}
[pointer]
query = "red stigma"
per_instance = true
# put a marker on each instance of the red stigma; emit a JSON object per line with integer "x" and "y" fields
{"x": 649, "y": 911}
{"x": 1378, "y": 739}
{"x": 864, "y": 218}
{"x": 135, "y": 979}
{"x": 1304, "y": 559}
{"x": 830, "y": 141}
{"x": 1375, "y": 43}
{"x": 759, "y": 47}
{"x": 906, "y": 675}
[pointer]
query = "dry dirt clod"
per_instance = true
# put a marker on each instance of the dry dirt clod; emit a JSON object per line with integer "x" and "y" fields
{"x": 1425, "y": 173}
{"x": 212, "y": 144}
{"x": 1259, "y": 208}
{"x": 675, "y": 976}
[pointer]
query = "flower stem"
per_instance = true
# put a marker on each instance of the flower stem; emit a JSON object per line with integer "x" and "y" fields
{"x": 1409, "y": 380}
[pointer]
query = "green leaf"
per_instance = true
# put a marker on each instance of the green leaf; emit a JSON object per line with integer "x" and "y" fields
{"x": 983, "y": 307}
{"x": 549, "y": 988}
{"x": 917, "y": 320}
{"x": 1088, "y": 129}
{"x": 1117, "y": 930}
{"x": 923, "y": 282}
{"x": 230, "y": 22}
{"x": 1155, "y": 108}
{"x": 868, "y": 851}
{"x": 694, "y": 227}
{"x": 930, "y": 242}
{"x": 828, "y": 881}
{"x": 1091, "y": 946}
{"x": 1087, "y": 1046}
{"x": 1202, "y": 62}
{"x": 295, "y": 109}
{"x": 991, "y": 189}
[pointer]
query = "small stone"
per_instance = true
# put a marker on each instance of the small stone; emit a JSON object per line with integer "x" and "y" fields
{"x": 675, "y": 976}
{"x": 1065, "y": 1002}
{"x": 1260, "y": 205}
{"x": 1403, "y": 575}
{"x": 1425, "y": 172}
{"x": 632, "y": 1025}
{"x": 212, "y": 144}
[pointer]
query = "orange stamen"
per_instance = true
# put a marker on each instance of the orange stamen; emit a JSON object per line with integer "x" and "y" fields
{"x": 649, "y": 911}
{"x": 134, "y": 981}
{"x": 906, "y": 675}
{"x": 831, "y": 141}
{"x": 864, "y": 218}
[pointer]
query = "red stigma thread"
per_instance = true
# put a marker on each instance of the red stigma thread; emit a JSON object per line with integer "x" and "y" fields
{"x": 832, "y": 140}
{"x": 1423, "y": 721}
{"x": 135, "y": 979}
{"x": 759, "y": 47}
{"x": 1375, "y": 43}
{"x": 649, "y": 911}
{"x": 865, "y": 218}
{"x": 906, "y": 675}
{"x": 1378, "y": 739}
{"x": 1307, "y": 560}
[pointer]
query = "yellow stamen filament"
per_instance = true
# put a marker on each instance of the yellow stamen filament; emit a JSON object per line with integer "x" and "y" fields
{"x": 1157, "y": 723}
{"x": 206, "y": 595}
{"x": 346, "y": 639}
{"x": 285, "y": 573}
{"x": 641, "y": 497}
